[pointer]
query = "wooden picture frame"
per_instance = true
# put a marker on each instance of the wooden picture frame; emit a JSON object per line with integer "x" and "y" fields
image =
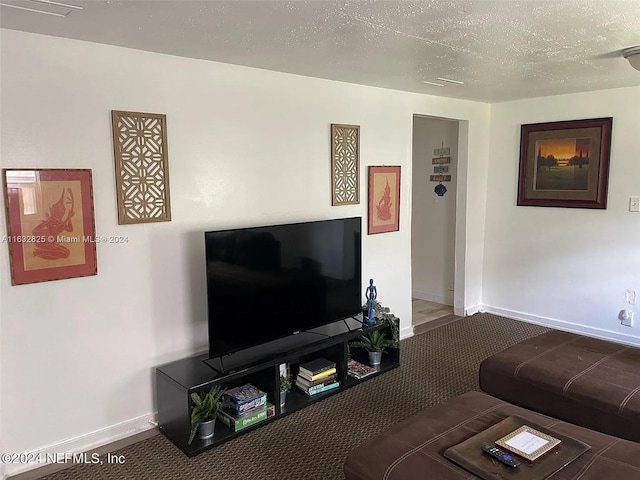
{"x": 384, "y": 199}
{"x": 565, "y": 164}
{"x": 141, "y": 167}
{"x": 537, "y": 443}
{"x": 50, "y": 224}
{"x": 345, "y": 164}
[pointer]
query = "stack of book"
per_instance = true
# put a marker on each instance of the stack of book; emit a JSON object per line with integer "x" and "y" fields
{"x": 317, "y": 376}
{"x": 244, "y": 406}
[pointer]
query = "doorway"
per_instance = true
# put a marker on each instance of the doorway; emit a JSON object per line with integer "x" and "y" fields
{"x": 433, "y": 221}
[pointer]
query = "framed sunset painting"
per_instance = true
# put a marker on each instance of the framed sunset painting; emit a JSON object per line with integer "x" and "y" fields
{"x": 565, "y": 164}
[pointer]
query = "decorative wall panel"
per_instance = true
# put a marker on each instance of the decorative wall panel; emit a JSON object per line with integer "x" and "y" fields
{"x": 142, "y": 170}
{"x": 345, "y": 164}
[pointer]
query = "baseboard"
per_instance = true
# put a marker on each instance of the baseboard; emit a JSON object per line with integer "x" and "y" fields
{"x": 471, "y": 310}
{"x": 600, "y": 333}
{"x": 430, "y": 297}
{"x": 89, "y": 443}
{"x": 406, "y": 332}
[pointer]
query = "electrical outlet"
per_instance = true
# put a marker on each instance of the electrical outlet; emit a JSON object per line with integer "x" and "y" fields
{"x": 634, "y": 204}
{"x": 626, "y": 317}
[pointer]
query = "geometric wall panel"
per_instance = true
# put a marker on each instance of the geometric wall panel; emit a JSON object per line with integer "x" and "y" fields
{"x": 345, "y": 164}
{"x": 142, "y": 169}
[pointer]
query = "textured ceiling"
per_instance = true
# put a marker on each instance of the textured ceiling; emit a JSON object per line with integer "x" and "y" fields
{"x": 501, "y": 50}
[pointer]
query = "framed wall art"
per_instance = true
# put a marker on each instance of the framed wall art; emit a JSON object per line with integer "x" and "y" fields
{"x": 142, "y": 167}
{"x": 345, "y": 164}
{"x": 565, "y": 164}
{"x": 50, "y": 224}
{"x": 384, "y": 199}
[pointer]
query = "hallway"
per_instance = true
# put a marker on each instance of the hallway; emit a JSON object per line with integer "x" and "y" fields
{"x": 429, "y": 315}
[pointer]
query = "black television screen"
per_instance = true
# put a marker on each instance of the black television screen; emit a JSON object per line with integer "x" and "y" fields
{"x": 265, "y": 283}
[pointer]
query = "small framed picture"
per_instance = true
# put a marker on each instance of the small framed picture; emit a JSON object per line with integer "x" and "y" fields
{"x": 528, "y": 442}
{"x": 384, "y": 199}
{"x": 50, "y": 224}
{"x": 565, "y": 164}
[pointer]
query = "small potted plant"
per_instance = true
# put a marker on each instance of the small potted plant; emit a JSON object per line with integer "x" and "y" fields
{"x": 376, "y": 344}
{"x": 204, "y": 413}
{"x": 383, "y": 314}
{"x": 285, "y": 386}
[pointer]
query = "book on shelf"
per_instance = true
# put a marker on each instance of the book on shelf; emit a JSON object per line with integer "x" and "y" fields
{"x": 319, "y": 388}
{"x": 359, "y": 370}
{"x": 311, "y": 383}
{"x": 237, "y": 423}
{"x": 243, "y": 399}
{"x": 316, "y": 366}
{"x": 319, "y": 376}
{"x": 316, "y": 385}
{"x": 233, "y": 409}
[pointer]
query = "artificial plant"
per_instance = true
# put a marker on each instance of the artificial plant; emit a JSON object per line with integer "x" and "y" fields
{"x": 205, "y": 409}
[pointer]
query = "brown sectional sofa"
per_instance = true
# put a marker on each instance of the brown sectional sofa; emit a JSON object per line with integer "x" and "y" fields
{"x": 413, "y": 449}
{"x": 581, "y": 380}
{"x": 593, "y": 384}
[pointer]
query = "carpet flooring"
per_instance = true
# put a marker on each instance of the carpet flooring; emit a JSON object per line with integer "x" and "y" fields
{"x": 313, "y": 443}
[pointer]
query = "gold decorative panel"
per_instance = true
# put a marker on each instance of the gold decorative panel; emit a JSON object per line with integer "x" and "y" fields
{"x": 345, "y": 164}
{"x": 142, "y": 169}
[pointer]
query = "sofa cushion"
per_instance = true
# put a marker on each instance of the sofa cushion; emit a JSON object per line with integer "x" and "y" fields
{"x": 582, "y": 380}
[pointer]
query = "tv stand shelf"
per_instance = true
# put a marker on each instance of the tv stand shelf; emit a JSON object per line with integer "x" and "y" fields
{"x": 259, "y": 366}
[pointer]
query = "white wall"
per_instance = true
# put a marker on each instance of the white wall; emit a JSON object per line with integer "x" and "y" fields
{"x": 245, "y": 146}
{"x": 433, "y": 218}
{"x": 564, "y": 267}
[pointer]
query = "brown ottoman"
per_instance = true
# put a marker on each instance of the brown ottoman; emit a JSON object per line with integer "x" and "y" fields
{"x": 582, "y": 380}
{"x": 413, "y": 449}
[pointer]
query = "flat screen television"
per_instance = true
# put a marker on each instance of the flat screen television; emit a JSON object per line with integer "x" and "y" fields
{"x": 270, "y": 282}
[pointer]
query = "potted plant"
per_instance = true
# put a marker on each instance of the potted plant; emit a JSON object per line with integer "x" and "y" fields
{"x": 376, "y": 344}
{"x": 382, "y": 313}
{"x": 204, "y": 413}
{"x": 285, "y": 386}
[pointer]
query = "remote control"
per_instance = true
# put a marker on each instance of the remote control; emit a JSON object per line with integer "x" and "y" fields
{"x": 501, "y": 456}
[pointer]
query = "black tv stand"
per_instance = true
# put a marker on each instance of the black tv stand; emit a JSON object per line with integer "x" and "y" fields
{"x": 242, "y": 359}
{"x": 359, "y": 320}
{"x": 259, "y": 366}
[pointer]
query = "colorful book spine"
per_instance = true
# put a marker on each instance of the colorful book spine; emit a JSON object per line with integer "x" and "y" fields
{"x": 320, "y": 370}
{"x": 319, "y": 388}
{"x": 237, "y": 423}
{"x": 307, "y": 383}
{"x": 303, "y": 386}
{"x": 324, "y": 374}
